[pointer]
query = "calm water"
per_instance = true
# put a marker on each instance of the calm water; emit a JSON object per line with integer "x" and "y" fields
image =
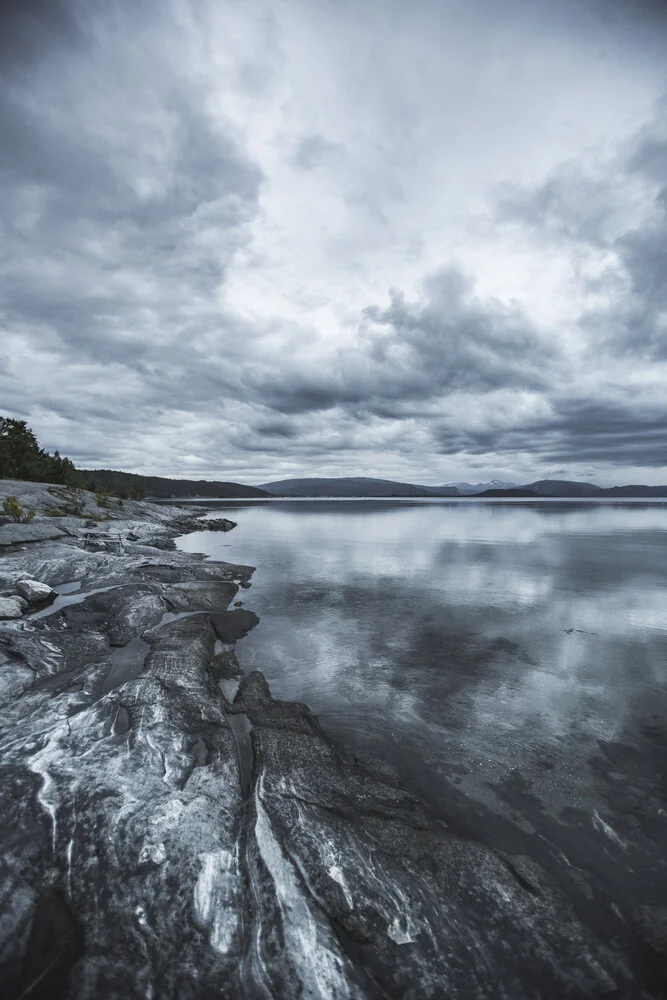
{"x": 509, "y": 660}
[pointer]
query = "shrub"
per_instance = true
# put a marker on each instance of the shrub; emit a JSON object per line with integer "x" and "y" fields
{"x": 13, "y": 509}
{"x": 72, "y": 500}
{"x": 107, "y": 501}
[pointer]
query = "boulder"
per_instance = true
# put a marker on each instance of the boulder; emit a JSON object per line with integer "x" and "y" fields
{"x": 12, "y": 607}
{"x": 34, "y": 591}
{"x": 230, "y": 626}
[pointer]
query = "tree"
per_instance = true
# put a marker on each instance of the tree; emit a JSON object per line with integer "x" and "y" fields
{"x": 20, "y": 454}
{"x": 22, "y": 458}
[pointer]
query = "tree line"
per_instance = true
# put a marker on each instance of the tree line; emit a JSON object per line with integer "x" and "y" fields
{"x": 21, "y": 457}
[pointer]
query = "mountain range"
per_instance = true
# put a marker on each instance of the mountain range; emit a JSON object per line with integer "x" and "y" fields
{"x": 362, "y": 486}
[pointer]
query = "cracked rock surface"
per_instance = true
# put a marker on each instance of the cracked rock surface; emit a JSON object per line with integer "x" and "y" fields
{"x": 170, "y": 830}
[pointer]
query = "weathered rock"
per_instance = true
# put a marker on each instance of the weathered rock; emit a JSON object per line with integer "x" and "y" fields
{"x": 55, "y": 943}
{"x": 230, "y": 626}
{"x": 187, "y": 525}
{"x": 196, "y": 596}
{"x": 34, "y": 531}
{"x": 34, "y": 591}
{"x": 225, "y": 665}
{"x": 12, "y": 607}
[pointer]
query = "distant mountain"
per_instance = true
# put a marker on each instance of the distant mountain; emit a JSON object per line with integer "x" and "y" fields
{"x": 353, "y": 486}
{"x": 566, "y": 489}
{"x": 465, "y": 489}
{"x": 362, "y": 486}
{"x": 563, "y": 488}
{"x": 636, "y": 491}
{"x": 159, "y": 488}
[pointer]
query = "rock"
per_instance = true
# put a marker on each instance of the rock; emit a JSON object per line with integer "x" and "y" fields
{"x": 194, "y": 596}
{"x": 225, "y": 666}
{"x": 187, "y": 525}
{"x": 34, "y": 591}
{"x": 650, "y": 922}
{"x": 55, "y": 943}
{"x": 12, "y": 607}
{"x": 17, "y": 534}
{"x": 230, "y": 626}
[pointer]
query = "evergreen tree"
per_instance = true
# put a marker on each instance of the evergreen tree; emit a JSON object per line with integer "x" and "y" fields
{"x": 22, "y": 458}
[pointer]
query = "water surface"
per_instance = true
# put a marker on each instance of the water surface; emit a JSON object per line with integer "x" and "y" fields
{"x": 507, "y": 659}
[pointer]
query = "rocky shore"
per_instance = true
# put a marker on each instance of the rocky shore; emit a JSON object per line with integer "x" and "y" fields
{"x": 169, "y": 830}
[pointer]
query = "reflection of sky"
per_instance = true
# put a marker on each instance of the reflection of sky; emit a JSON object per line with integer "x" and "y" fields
{"x": 485, "y": 641}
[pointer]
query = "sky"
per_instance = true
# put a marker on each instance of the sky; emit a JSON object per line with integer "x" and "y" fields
{"x": 423, "y": 241}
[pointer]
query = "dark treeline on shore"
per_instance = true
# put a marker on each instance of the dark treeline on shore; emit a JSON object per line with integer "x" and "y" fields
{"x": 21, "y": 457}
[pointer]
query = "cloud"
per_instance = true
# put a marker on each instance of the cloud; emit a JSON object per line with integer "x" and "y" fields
{"x": 255, "y": 240}
{"x": 30, "y": 29}
{"x": 617, "y": 216}
{"x": 591, "y": 430}
{"x": 410, "y": 353}
{"x": 311, "y": 150}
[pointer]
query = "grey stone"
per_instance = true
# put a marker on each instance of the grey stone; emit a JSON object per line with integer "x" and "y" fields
{"x": 34, "y": 591}
{"x": 34, "y": 531}
{"x": 12, "y": 607}
{"x": 230, "y": 626}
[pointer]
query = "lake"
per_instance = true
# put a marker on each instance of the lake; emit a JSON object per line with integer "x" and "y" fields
{"x": 507, "y": 660}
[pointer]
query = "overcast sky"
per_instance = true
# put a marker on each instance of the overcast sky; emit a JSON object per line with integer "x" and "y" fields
{"x": 255, "y": 240}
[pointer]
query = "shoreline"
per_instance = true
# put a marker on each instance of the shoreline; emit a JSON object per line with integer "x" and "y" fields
{"x": 170, "y": 829}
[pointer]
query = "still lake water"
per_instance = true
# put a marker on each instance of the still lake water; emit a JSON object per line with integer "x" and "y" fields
{"x": 508, "y": 660}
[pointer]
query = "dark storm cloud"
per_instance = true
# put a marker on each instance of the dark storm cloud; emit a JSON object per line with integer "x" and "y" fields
{"x": 275, "y": 429}
{"x": 30, "y": 29}
{"x": 447, "y": 341}
{"x": 591, "y": 431}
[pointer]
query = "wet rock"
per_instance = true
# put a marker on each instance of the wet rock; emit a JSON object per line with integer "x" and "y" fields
{"x": 225, "y": 665}
{"x": 188, "y": 525}
{"x": 56, "y": 942}
{"x": 650, "y": 922}
{"x": 196, "y": 596}
{"x": 33, "y": 591}
{"x": 398, "y": 906}
{"x": 231, "y": 626}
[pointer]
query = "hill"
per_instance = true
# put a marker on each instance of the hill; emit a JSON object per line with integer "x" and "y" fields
{"x": 467, "y": 489}
{"x": 636, "y": 491}
{"x": 563, "y": 488}
{"x": 353, "y": 486}
{"x": 157, "y": 487}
